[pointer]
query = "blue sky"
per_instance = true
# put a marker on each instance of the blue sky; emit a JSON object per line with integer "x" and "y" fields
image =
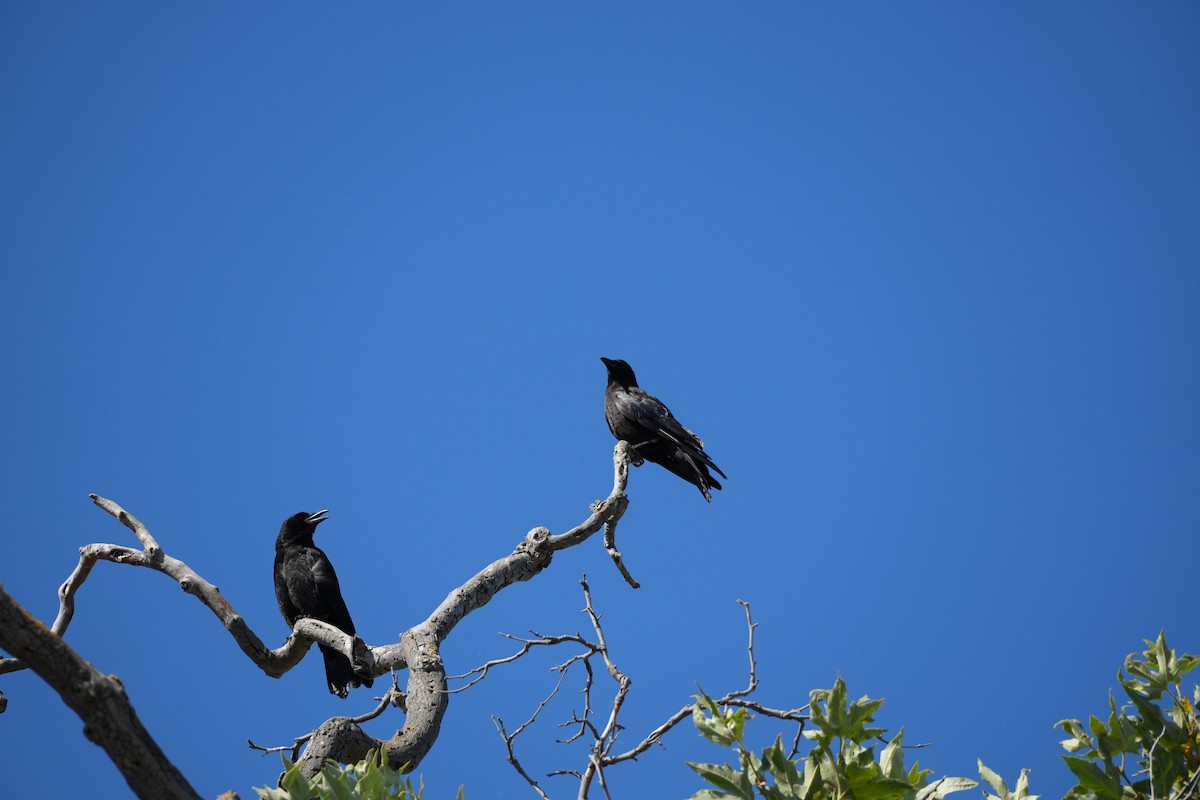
{"x": 923, "y": 276}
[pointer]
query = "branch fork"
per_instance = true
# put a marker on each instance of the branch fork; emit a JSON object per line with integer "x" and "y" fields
{"x": 418, "y": 649}
{"x": 600, "y": 754}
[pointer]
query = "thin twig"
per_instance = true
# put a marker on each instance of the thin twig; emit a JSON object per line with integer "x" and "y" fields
{"x": 608, "y": 736}
{"x": 796, "y": 742}
{"x": 750, "y": 626}
{"x": 516, "y": 763}
{"x": 510, "y": 738}
{"x": 1150, "y": 760}
{"x": 603, "y": 739}
{"x": 916, "y": 746}
{"x": 526, "y": 645}
{"x": 734, "y": 698}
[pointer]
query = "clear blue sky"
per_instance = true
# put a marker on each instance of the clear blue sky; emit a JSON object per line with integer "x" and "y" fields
{"x": 923, "y": 275}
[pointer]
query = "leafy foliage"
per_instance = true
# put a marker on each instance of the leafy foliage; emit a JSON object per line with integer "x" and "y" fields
{"x": 1158, "y": 728}
{"x": 369, "y": 779}
{"x": 1148, "y": 749}
{"x": 840, "y": 766}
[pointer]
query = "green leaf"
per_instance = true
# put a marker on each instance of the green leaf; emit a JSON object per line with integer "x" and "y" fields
{"x": 788, "y": 779}
{"x": 993, "y": 780}
{"x": 1079, "y": 740}
{"x": 1123, "y": 736}
{"x": 916, "y": 775}
{"x": 891, "y": 760}
{"x": 944, "y": 786}
{"x": 833, "y": 717}
{"x": 719, "y": 725}
{"x": 812, "y": 774}
{"x": 1023, "y": 787}
{"x": 1102, "y": 738}
{"x": 829, "y": 772}
{"x": 1185, "y": 665}
{"x": 268, "y": 793}
{"x": 1094, "y": 779}
{"x": 855, "y": 755}
{"x": 1153, "y": 721}
{"x": 295, "y": 785}
{"x": 751, "y": 764}
{"x": 337, "y": 785}
{"x": 879, "y": 789}
{"x": 725, "y": 777}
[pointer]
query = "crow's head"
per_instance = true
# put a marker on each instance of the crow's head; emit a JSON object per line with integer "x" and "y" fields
{"x": 299, "y": 528}
{"x": 619, "y": 372}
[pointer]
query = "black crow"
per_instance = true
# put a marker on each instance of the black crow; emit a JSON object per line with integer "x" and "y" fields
{"x": 307, "y": 586}
{"x": 642, "y": 420}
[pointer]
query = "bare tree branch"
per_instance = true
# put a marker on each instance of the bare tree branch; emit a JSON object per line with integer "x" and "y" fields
{"x": 108, "y": 717}
{"x": 273, "y": 662}
{"x": 130, "y": 521}
{"x": 610, "y": 544}
{"x": 734, "y": 698}
{"x": 527, "y": 644}
{"x": 603, "y": 740}
{"x": 342, "y": 738}
{"x": 510, "y": 738}
{"x": 607, "y": 737}
{"x": 750, "y": 626}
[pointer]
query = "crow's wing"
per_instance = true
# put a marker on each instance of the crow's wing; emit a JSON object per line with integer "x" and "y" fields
{"x": 650, "y": 413}
{"x": 295, "y": 587}
{"x": 307, "y": 586}
{"x": 329, "y": 594}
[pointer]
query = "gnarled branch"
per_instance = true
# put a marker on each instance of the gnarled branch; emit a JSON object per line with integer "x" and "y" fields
{"x": 341, "y": 738}
{"x": 273, "y": 662}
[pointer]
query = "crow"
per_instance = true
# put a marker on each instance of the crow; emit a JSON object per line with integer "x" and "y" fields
{"x": 642, "y": 420}
{"x": 307, "y": 586}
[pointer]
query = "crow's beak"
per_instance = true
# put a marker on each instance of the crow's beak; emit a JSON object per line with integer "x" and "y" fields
{"x": 318, "y": 517}
{"x": 607, "y": 362}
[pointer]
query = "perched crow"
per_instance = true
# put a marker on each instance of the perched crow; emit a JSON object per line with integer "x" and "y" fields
{"x": 307, "y": 586}
{"x": 642, "y": 420}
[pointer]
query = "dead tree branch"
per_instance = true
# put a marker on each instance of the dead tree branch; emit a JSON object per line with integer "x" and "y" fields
{"x": 108, "y": 717}
{"x": 510, "y": 738}
{"x": 482, "y": 670}
{"x": 603, "y": 739}
{"x": 610, "y": 544}
{"x": 273, "y": 662}
{"x": 341, "y": 738}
